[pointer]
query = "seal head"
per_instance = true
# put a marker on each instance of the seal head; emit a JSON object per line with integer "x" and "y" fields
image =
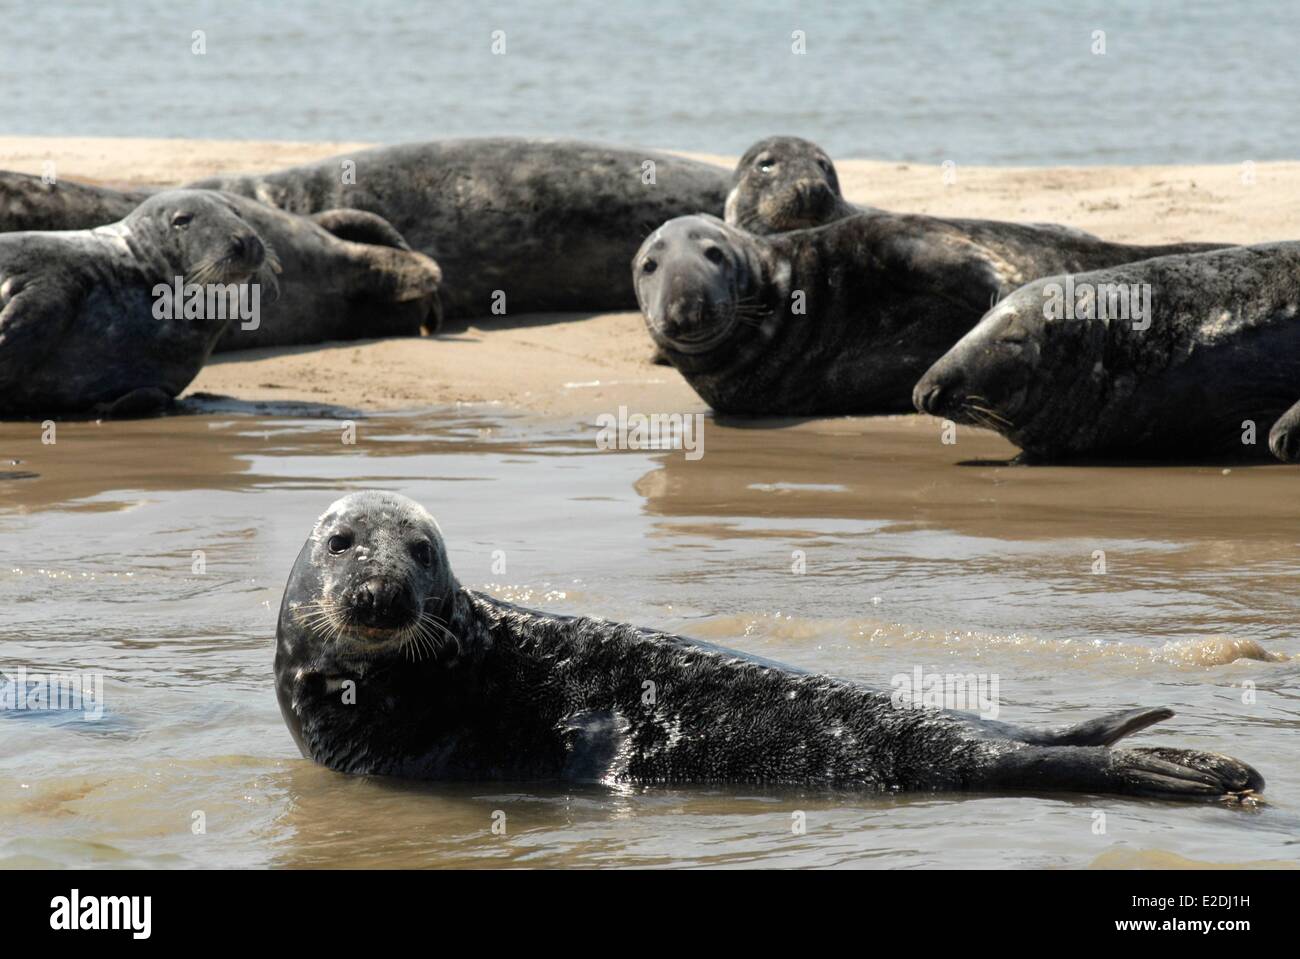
{"x": 701, "y": 287}
{"x": 782, "y": 184}
{"x": 372, "y": 580}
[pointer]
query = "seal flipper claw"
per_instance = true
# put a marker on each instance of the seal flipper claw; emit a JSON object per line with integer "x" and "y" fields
{"x": 1158, "y": 773}
{"x": 1103, "y": 731}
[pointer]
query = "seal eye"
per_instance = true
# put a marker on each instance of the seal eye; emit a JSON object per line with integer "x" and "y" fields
{"x": 825, "y": 164}
{"x": 181, "y": 220}
{"x": 766, "y": 165}
{"x": 423, "y": 553}
{"x": 339, "y": 543}
{"x": 714, "y": 255}
{"x": 649, "y": 266}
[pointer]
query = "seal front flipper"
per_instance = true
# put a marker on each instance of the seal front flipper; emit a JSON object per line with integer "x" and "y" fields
{"x": 594, "y": 745}
{"x": 1103, "y": 731}
{"x": 1159, "y": 773}
{"x": 1284, "y": 437}
{"x": 360, "y": 226}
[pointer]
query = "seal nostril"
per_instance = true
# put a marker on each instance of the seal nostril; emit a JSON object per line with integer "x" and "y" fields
{"x": 928, "y": 397}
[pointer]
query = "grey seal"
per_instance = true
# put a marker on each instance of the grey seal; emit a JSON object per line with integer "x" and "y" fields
{"x": 841, "y": 318}
{"x": 551, "y": 224}
{"x": 386, "y": 665}
{"x": 88, "y": 322}
{"x": 785, "y": 183}
{"x": 29, "y": 203}
{"x": 1209, "y": 363}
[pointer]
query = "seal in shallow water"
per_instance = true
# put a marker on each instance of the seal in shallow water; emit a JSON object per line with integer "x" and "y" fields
{"x": 789, "y": 183}
{"x": 843, "y": 318}
{"x": 385, "y": 664}
{"x": 83, "y": 327}
{"x": 1205, "y": 371}
{"x": 551, "y": 224}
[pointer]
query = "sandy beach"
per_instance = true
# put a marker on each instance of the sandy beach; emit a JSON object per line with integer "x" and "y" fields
{"x": 573, "y": 364}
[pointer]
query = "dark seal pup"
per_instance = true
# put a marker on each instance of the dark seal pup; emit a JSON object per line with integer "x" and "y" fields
{"x": 89, "y": 322}
{"x": 1173, "y": 358}
{"x": 549, "y": 223}
{"x": 843, "y": 318}
{"x": 385, "y": 664}
{"x": 788, "y": 183}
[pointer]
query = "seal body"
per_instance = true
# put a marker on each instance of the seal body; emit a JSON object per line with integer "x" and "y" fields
{"x": 516, "y": 224}
{"x": 28, "y": 203}
{"x": 839, "y": 319}
{"x": 89, "y": 322}
{"x": 1202, "y": 368}
{"x": 499, "y": 692}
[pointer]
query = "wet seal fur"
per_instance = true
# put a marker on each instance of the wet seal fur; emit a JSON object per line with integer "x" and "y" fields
{"x": 788, "y": 183}
{"x": 883, "y": 296}
{"x": 386, "y": 665}
{"x": 1221, "y": 352}
{"x": 78, "y": 332}
{"x": 551, "y": 223}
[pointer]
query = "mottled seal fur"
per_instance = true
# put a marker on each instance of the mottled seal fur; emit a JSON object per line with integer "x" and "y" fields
{"x": 29, "y": 203}
{"x": 1206, "y": 374}
{"x": 549, "y": 223}
{"x": 78, "y": 328}
{"x": 788, "y": 183}
{"x": 385, "y": 664}
{"x": 842, "y": 318}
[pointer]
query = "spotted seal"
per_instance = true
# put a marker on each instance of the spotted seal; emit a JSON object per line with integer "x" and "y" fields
{"x": 517, "y": 224}
{"x": 89, "y": 322}
{"x": 842, "y": 318}
{"x": 1178, "y": 357}
{"x": 385, "y": 664}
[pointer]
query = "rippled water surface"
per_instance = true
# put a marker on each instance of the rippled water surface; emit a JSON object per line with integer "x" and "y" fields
{"x": 995, "y": 82}
{"x": 916, "y": 555}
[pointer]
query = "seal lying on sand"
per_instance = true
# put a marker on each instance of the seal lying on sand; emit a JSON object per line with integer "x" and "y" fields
{"x": 386, "y": 664}
{"x": 788, "y": 183}
{"x": 842, "y": 318}
{"x": 1209, "y": 361}
{"x": 29, "y": 203}
{"x": 89, "y": 321}
{"x": 551, "y": 224}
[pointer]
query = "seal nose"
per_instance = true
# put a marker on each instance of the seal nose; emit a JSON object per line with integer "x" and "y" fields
{"x": 248, "y": 247}
{"x": 812, "y": 196}
{"x": 380, "y": 602}
{"x": 932, "y": 394}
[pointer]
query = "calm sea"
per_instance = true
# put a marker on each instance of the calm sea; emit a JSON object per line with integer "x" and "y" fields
{"x": 995, "y": 82}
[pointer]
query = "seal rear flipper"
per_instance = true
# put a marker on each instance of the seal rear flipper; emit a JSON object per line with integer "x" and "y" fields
{"x": 1103, "y": 731}
{"x": 358, "y": 226}
{"x": 1159, "y": 773}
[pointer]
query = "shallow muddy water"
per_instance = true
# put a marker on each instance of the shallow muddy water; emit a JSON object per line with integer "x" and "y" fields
{"x": 913, "y": 555}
